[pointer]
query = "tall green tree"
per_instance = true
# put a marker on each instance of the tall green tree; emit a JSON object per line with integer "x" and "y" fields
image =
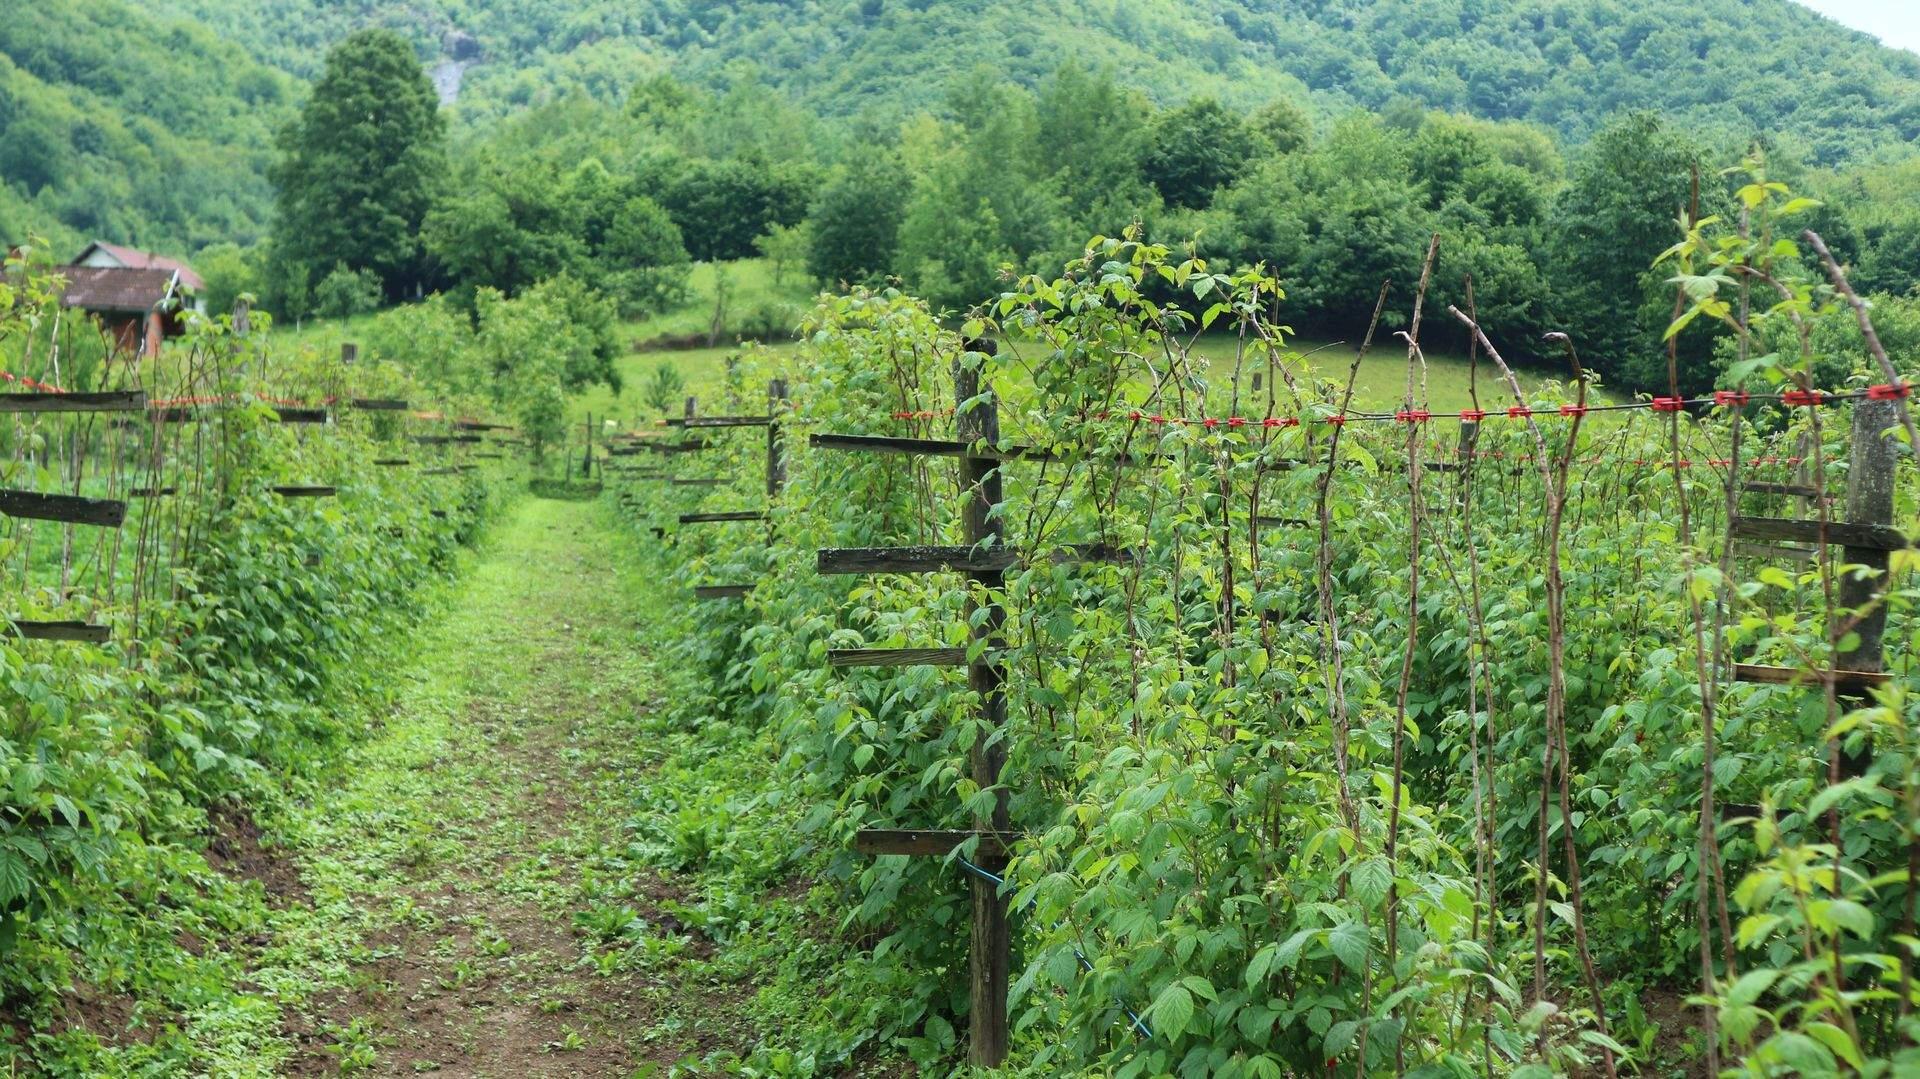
{"x": 1619, "y": 210}
{"x": 360, "y": 168}
{"x": 1194, "y": 150}
{"x": 854, "y": 227}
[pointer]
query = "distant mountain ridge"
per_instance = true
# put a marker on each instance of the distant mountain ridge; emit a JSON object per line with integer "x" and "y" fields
{"x": 1749, "y": 66}
{"x": 153, "y": 124}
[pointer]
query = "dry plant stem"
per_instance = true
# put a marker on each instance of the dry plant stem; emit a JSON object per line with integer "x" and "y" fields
{"x": 1707, "y": 832}
{"x": 1553, "y": 473}
{"x": 1414, "y": 472}
{"x": 1860, "y": 314}
{"x": 1329, "y": 619}
{"x": 1335, "y": 667}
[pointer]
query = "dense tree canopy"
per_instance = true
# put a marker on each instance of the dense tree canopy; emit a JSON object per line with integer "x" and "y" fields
{"x": 363, "y": 164}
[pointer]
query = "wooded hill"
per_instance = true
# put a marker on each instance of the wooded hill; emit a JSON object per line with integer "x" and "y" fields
{"x": 153, "y": 125}
{"x": 1768, "y": 66}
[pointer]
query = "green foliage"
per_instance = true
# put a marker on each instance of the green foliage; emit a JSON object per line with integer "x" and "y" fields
{"x": 664, "y": 388}
{"x": 854, "y": 225}
{"x": 1194, "y": 150}
{"x": 361, "y": 167}
{"x": 1204, "y": 814}
{"x": 119, "y": 123}
{"x": 254, "y": 657}
{"x": 722, "y": 206}
{"x": 344, "y": 293}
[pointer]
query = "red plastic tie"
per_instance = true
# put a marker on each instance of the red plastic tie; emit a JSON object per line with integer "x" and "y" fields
{"x": 1473, "y": 415}
{"x": 1413, "y": 415}
{"x": 1731, "y": 398}
{"x": 1573, "y": 410}
{"x": 1802, "y": 398}
{"x": 1518, "y": 412}
{"x": 1889, "y": 391}
{"x": 1669, "y": 404}
{"x": 1337, "y": 419}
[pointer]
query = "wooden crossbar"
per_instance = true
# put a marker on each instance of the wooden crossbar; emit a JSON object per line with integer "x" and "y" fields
{"x": 896, "y": 657}
{"x": 120, "y": 401}
{"x": 721, "y": 591}
{"x": 66, "y": 630}
{"x": 297, "y": 491}
{"x": 715, "y": 518}
{"x": 928, "y": 842}
{"x": 150, "y": 492}
{"x": 701, "y": 482}
{"x": 1772, "y": 550}
{"x": 835, "y": 560}
{"x": 379, "y": 404}
{"x": 71, "y": 509}
{"x": 720, "y": 421}
{"x": 1758, "y": 487}
{"x": 1854, "y": 682}
{"x": 926, "y": 447}
{"x": 392, "y": 462}
{"x": 1282, "y": 522}
{"x": 1866, "y": 536}
{"x": 302, "y": 415}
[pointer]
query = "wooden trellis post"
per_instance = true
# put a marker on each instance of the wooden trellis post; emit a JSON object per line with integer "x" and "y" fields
{"x": 977, "y": 420}
{"x": 776, "y": 442}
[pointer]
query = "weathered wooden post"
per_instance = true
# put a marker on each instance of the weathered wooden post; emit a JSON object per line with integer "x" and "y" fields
{"x": 776, "y": 442}
{"x": 1469, "y": 438}
{"x": 349, "y": 353}
{"x": 992, "y": 944}
{"x": 1873, "y": 462}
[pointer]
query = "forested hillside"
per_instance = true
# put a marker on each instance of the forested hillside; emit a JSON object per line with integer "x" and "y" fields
{"x": 124, "y": 126}
{"x": 1750, "y": 66}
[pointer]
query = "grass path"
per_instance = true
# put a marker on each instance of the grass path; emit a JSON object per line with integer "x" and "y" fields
{"x": 442, "y": 874}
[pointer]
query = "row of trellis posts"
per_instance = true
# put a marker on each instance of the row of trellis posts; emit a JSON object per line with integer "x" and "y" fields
{"x": 133, "y": 409}
{"x": 1867, "y": 538}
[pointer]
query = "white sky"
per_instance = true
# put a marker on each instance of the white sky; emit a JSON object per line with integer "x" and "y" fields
{"x": 1894, "y": 22}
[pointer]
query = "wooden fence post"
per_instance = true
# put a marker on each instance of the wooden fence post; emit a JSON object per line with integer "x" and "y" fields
{"x": 776, "y": 442}
{"x": 1873, "y": 461}
{"x": 992, "y": 941}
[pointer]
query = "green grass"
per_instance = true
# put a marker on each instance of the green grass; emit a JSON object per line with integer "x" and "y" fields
{"x": 754, "y": 296}
{"x": 1449, "y": 378}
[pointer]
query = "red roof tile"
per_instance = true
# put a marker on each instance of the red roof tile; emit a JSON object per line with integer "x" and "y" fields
{"x": 145, "y": 260}
{"x": 103, "y": 288}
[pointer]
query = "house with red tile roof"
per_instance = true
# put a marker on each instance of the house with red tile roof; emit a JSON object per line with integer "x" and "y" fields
{"x": 140, "y": 298}
{"x": 113, "y": 256}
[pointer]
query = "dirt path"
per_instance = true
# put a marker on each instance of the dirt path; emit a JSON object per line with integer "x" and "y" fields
{"x": 445, "y": 871}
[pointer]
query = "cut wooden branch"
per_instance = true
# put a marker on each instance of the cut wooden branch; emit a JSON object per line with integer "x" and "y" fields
{"x": 379, "y": 404}
{"x": 930, "y": 843}
{"x": 122, "y": 401}
{"x": 303, "y": 415}
{"x": 478, "y": 425}
{"x": 721, "y": 591}
{"x": 71, "y": 509}
{"x": 716, "y": 518}
{"x": 1868, "y": 536}
{"x": 299, "y": 491}
{"x": 896, "y": 657}
{"x": 150, "y": 492}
